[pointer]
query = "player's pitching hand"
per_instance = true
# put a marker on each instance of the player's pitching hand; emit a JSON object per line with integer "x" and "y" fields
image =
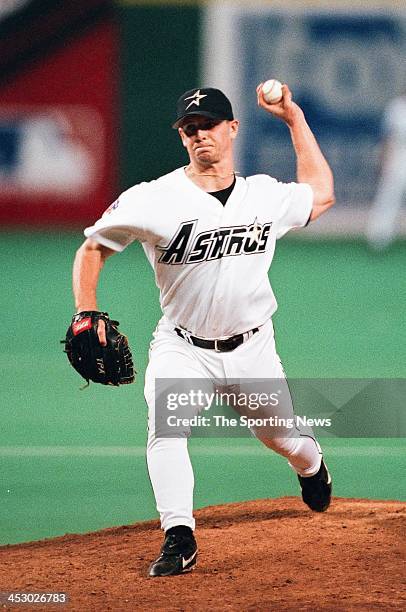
{"x": 286, "y": 109}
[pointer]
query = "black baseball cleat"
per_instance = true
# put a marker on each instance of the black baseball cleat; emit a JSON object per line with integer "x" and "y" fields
{"x": 178, "y": 555}
{"x": 316, "y": 490}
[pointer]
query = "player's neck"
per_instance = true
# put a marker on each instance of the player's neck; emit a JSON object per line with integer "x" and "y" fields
{"x": 211, "y": 178}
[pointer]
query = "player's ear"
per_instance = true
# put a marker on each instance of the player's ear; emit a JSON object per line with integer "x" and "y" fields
{"x": 182, "y": 136}
{"x": 234, "y": 125}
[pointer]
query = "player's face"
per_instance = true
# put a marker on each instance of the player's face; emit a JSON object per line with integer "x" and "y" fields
{"x": 208, "y": 140}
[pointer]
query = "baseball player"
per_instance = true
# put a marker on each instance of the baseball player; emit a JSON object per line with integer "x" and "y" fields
{"x": 210, "y": 236}
{"x": 391, "y": 192}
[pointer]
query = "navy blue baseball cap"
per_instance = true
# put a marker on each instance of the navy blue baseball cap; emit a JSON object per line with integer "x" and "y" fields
{"x": 206, "y": 101}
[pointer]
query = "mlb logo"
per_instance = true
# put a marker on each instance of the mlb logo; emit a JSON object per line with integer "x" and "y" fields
{"x": 52, "y": 151}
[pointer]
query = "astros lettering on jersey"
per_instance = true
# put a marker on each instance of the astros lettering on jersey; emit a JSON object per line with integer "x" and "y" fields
{"x": 209, "y": 260}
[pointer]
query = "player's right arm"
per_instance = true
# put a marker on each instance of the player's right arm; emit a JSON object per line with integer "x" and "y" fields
{"x": 88, "y": 263}
{"x": 312, "y": 167}
{"x": 119, "y": 226}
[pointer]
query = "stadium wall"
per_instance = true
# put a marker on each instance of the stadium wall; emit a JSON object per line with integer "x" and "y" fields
{"x": 103, "y": 90}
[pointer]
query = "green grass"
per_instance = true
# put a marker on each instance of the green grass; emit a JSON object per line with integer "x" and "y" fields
{"x": 341, "y": 309}
{"x": 341, "y": 315}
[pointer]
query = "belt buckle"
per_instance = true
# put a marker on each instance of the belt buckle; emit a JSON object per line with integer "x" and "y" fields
{"x": 216, "y": 348}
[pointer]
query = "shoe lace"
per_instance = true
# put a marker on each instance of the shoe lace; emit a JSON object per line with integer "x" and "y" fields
{"x": 171, "y": 541}
{"x": 175, "y": 543}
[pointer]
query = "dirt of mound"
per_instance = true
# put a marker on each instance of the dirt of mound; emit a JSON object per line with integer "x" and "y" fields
{"x": 253, "y": 556}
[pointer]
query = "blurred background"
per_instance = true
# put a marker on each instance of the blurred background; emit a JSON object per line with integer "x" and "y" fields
{"x": 87, "y": 98}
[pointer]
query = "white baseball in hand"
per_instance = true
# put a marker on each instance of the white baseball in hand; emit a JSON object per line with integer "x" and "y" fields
{"x": 272, "y": 91}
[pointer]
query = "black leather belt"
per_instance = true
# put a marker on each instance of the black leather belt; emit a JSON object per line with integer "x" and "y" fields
{"x": 221, "y": 345}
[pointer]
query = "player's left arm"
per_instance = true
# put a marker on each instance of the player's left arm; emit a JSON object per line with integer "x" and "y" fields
{"x": 312, "y": 166}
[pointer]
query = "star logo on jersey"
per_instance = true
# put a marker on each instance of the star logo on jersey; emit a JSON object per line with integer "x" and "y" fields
{"x": 197, "y": 96}
{"x": 254, "y": 232}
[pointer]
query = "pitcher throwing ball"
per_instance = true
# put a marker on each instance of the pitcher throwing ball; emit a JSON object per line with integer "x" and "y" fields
{"x": 210, "y": 237}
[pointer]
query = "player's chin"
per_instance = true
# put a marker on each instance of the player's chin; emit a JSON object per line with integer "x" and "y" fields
{"x": 205, "y": 154}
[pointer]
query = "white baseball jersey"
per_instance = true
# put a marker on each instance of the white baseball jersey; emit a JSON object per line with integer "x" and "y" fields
{"x": 211, "y": 261}
{"x": 391, "y": 189}
{"x": 394, "y": 120}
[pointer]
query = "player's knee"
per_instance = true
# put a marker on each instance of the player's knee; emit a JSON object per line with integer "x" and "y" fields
{"x": 283, "y": 446}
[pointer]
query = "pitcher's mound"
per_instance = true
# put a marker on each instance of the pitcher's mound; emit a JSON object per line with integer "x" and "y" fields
{"x": 271, "y": 554}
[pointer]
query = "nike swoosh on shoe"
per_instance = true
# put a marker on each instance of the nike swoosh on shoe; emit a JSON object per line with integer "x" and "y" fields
{"x": 186, "y": 562}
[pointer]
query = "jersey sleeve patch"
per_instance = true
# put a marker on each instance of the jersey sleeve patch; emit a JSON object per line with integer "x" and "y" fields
{"x": 112, "y": 207}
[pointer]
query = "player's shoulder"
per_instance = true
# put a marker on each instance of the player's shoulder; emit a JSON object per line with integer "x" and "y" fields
{"x": 396, "y": 104}
{"x": 269, "y": 182}
{"x": 395, "y": 113}
{"x": 270, "y": 189}
{"x": 262, "y": 182}
{"x": 149, "y": 187}
{"x": 261, "y": 179}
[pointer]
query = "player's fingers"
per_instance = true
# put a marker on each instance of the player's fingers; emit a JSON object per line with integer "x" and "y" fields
{"x": 101, "y": 332}
{"x": 286, "y": 94}
{"x": 258, "y": 90}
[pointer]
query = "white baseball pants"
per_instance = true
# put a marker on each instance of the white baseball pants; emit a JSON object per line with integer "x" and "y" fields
{"x": 169, "y": 466}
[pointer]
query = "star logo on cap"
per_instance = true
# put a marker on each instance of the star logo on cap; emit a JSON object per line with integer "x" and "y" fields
{"x": 195, "y": 99}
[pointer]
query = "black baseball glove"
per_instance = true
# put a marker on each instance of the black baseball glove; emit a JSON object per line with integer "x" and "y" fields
{"x": 108, "y": 365}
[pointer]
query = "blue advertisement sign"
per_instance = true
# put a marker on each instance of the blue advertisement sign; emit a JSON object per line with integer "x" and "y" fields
{"x": 343, "y": 68}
